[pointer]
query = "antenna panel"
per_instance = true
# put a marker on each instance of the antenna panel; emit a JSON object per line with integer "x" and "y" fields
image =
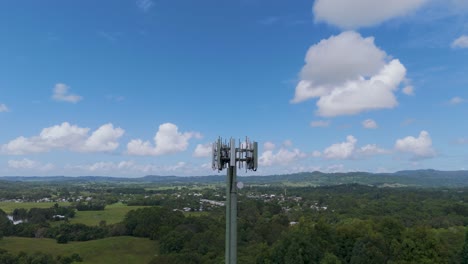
{"x": 233, "y": 153}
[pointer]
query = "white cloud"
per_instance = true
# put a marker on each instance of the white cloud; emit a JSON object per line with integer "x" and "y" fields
{"x": 111, "y": 166}
{"x": 348, "y": 150}
{"x": 408, "y": 121}
{"x": 457, "y": 100}
{"x": 167, "y": 140}
{"x": 68, "y": 137}
{"x": 362, "y": 13}
{"x": 145, "y": 5}
{"x": 420, "y": 147}
{"x": 349, "y": 75}
{"x": 287, "y": 143}
{"x": 61, "y": 93}
{"x": 408, "y": 90}
{"x": 461, "y": 141}
{"x": 104, "y": 138}
{"x": 369, "y": 124}
{"x": 343, "y": 150}
{"x": 203, "y": 150}
{"x": 268, "y": 145}
{"x": 461, "y": 42}
{"x": 372, "y": 149}
{"x": 27, "y": 164}
{"x": 316, "y": 154}
{"x": 335, "y": 168}
{"x": 281, "y": 157}
{"x": 3, "y": 108}
{"x": 140, "y": 148}
{"x": 320, "y": 123}
{"x": 126, "y": 168}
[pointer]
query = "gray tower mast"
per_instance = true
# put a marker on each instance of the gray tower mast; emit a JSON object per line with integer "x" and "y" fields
{"x": 227, "y": 156}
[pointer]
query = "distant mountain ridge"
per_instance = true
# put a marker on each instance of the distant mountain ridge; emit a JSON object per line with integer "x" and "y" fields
{"x": 415, "y": 178}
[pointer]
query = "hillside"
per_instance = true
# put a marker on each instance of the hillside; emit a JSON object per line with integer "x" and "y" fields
{"x": 415, "y": 178}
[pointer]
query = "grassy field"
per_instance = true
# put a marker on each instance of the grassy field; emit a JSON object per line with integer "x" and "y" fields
{"x": 112, "y": 214}
{"x": 109, "y": 250}
{"x": 8, "y": 207}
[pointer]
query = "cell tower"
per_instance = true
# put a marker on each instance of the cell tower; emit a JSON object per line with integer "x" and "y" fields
{"x": 227, "y": 156}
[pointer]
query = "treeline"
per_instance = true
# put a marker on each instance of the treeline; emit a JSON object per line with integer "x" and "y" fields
{"x": 39, "y": 215}
{"x": 92, "y": 205}
{"x": 37, "y": 258}
{"x": 365, "y": 241}
{"x": 436, "y": 208}
{"x": 181, "y": 239}
{"x": 23, "y": 191}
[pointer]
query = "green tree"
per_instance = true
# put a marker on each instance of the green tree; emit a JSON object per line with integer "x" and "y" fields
{"x": 329, "y": 258}
{"x": 465, "y": 250}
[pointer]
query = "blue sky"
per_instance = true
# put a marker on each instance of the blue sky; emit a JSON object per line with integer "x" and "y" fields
{"x": 131, "y": 88}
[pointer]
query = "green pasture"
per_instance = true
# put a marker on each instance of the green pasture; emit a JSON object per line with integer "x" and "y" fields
{"x": 8, "y": 207}
{"x": 123, "y": 249}
{"x": 112, "y": 214}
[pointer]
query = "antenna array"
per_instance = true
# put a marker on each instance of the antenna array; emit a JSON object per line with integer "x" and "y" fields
{"x": 226, "y": 154}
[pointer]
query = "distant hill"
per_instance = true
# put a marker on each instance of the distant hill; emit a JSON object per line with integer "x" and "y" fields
{"x": 410, "y": 178}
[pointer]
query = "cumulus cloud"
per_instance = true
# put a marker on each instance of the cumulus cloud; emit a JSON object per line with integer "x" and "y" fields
{"x": 420, "y": 147}
{"x": 320, "y": 123}
{"x": 348, "y": 150}
{"x": 408, "y": 90}
{"x": 461, "y": 141}
{"x": 349, "y": 75}
{"x": 168, "y": 140}
{"x": 461, "y": 42}
{"x": 61, "y": 93}
{"x": 335, "y": 168}
{"x": 27, "y": 164}
{"x": 285, "y": 155}
{"x": 268, "y": 145}
{"x": 372, "y": 149}
{"x": 369, "y": 124}
{"x": 362, "y": 13}
{"x": 3, "y": 108}
{"x": 456, "y": 100}
{"x": 104, "y": 138}
{"x": 102, "y": 166}
{"x": 282, "y": 157}
{"x": 343, "y": 150}
{"x": 203, "y": 150}
{"x": 145, "y": 5}
{"x": 131, "y": 167}
{"x": 408, "y": 121}
{"x": 316, "y": 154}
{"x": 68, "y": 137}
{"x": 287, "y": 143}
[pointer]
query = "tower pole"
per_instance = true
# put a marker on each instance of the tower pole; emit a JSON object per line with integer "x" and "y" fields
{"x": 233, "y": 215}
{"x": 228, "y": 215}
{"x": 228, "y": 156}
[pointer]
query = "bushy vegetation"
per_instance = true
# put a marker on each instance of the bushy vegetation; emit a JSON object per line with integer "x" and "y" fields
{"x": 276, "y": 224}
{"x": 37, "y": 258}
{"x": 90, "y": 206}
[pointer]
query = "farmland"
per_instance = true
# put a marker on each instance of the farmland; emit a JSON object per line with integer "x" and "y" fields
{"x": 123, "y": 249}
{"x": 112, "y": 214}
